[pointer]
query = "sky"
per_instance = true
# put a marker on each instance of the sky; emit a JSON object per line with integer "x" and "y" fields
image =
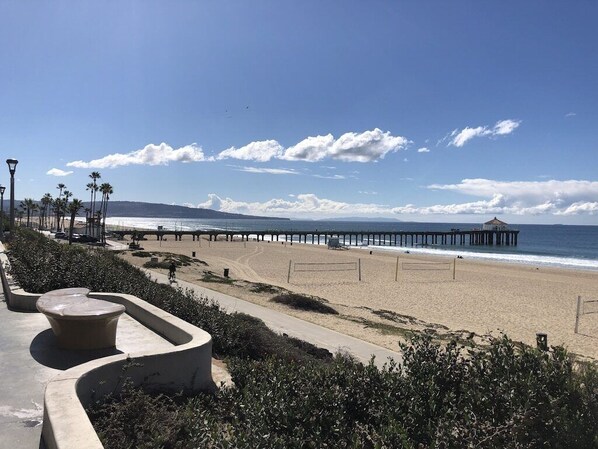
{"x": 429, "y": 111}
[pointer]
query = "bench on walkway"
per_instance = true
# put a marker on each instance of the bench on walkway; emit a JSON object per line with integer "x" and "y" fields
{"x": 80, "y": 322}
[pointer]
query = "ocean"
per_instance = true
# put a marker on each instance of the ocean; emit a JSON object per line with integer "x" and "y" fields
{"x": 543, "y": 245}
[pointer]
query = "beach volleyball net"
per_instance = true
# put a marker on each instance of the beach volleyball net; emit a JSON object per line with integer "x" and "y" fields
{"x": 585, "y": 306}
{"x": 415, "y": 267}
{"x": 323, "y": 267}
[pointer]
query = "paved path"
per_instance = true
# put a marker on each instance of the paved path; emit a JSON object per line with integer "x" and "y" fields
{"x": 294, "y": 327}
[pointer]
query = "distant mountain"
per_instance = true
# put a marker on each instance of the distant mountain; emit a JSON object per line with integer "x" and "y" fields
{"x": 154, "y": 210}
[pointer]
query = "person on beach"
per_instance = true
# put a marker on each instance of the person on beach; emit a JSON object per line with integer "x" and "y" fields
{"x": 172, "y": 272}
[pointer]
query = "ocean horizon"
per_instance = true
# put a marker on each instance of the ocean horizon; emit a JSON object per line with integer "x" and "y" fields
{"x": 565, "y": 246}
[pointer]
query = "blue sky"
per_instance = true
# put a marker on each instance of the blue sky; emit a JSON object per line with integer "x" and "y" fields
{"x": 428, "y": 111}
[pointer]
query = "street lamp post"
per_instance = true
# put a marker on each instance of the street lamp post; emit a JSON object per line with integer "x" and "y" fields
{"x": 12, "y": 167}
{"x": 2, "y": 190}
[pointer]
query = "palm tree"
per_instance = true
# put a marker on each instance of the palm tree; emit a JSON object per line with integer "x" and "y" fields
{"x": 106, "y": 190}
{"x": 44, "y": 209}
{"x": 60, "y": 187}
{"x": 67, "y": 194}
{"x": 74, "y": 207}
{"x": 93, "y": 186}
{"x": 87, "y": 220}
{"x": 29, "y": 206}
{"x": 58, "y": 206}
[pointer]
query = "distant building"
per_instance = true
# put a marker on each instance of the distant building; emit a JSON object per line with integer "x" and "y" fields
{"x": 495, "y": 225}
{"x": 334, "y": 243}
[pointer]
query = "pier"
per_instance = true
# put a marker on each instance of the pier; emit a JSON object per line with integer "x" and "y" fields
{"x": 348, "y": 238}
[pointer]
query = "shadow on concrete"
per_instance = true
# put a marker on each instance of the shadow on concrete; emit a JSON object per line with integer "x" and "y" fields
{"x": 45, "y": 351}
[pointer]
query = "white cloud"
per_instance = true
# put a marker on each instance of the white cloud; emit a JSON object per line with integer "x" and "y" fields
{"x": 149, "y": 155}
{"x": 213, "y": 202}
{"x": 580, "y": 207}
{"x": 497, "y": 198}
{"x": 423, "y": 150}
{"x": 58, "y": 172}
{"x": 501, "y": 128}
{"x": 330, "y": 176}
{"x": 271, "y": 171}
{"x": 530, "y": 197}
{"x": 310, "y": 149}
{"x": 305, "y": 205}
{"x": 367, "y": 146}
{"x": 504, "y": 127}
{"x": 570, "y": 114}
{"x": 533, "y": 190}
{"x": 261, "y": 151}
{"x": 467, "y": 134}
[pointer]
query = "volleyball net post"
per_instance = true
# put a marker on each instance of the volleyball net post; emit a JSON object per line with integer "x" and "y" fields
{"x": 577, "y": 314}
{"x": 584, "y": 307}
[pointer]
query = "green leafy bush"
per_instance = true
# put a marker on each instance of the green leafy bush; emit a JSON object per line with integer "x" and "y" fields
{"x": 210, "y": 276}
{"x": 141, "y": 254}
{"x": 304, "y": 302}
{"x": 259, "y": 287}
{"x": 40, "y": 265}
{"x": 439, "y": 397}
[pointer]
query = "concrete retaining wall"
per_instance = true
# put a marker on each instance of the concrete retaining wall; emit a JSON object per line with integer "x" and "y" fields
{"x": 16, "y": 298}
{"x": 187, "y": 366}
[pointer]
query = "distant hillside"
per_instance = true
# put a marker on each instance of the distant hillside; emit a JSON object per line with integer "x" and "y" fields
{"x": 154, "y": 210}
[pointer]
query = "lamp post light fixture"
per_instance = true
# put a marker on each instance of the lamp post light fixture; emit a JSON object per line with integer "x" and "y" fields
{"x": 12, "y": 167}
{"x": 2, "y": 190}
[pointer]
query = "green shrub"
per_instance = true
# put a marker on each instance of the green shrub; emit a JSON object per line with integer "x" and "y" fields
{"x": 258, "y": 287}
{"x": 439, "y": 397}
{"x": 209, "y": 276}
{"x": 141, "y": 254}
{"x": 164, "y": 264}
{"x": 40, "y": 265}
{"x": 304, "y": 302}
{"x": 136, "y": 419}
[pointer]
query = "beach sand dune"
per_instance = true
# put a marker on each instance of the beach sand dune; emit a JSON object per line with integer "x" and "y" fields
{"x": 484, "y": 298}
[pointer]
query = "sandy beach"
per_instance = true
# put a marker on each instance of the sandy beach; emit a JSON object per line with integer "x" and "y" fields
{"x": 484, "y": 298}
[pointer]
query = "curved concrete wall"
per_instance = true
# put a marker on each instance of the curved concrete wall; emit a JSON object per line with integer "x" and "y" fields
{"x": 187, "y": 366}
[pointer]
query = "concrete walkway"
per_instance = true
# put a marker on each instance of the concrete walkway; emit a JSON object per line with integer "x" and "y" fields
{"x": 294, "y": 327}
{"x": 29, "y": 358}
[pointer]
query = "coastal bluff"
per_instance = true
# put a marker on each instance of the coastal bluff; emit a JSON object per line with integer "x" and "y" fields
{"x": 157, "y": 210}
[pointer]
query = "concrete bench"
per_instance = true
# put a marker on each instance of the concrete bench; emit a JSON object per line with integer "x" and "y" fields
{"x": 80, "y": 322}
